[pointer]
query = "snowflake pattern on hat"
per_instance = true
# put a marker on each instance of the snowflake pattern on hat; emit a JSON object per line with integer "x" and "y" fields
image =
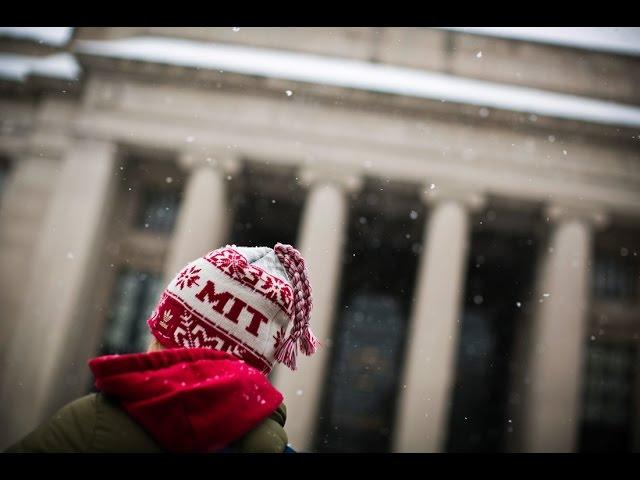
{"x": 188, "y": 277}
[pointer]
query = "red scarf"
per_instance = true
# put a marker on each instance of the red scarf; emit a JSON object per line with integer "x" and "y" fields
{"x": 188, "y": 399}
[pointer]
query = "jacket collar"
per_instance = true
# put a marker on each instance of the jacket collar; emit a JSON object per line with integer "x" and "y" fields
{"x": 188, "y": 399}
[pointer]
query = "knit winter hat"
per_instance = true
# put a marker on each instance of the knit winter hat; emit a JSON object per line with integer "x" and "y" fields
{"x": 240, "y": 300}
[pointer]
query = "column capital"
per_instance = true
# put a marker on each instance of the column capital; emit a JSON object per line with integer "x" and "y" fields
{"x": 47, "y": 144}
{"x": 349, "y": 181}
{"x": 436, "y": 192}
{"x": 562, "y": 211}
{"x": 226, "y": 162}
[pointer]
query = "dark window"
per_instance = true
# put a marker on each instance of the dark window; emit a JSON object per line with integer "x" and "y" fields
{"x": 376, "y": 285}
{"x": 158, "y": 210}
{"x": 134, "y": 297}
{"x": 267, "y": 208}
{"x": 498, "y": 288}
{"x": 3, "y": 174}
{"x": 615, "y": 277}
{"x": 363, "y": 382}
{"x": 4, "y": 171}
{"x": 608, "y": 401}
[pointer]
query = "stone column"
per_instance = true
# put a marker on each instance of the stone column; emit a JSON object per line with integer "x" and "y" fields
{"x": 552, "y": 413}
{"x": 58, "y": 285}
{"x": 321, "y": 240}
{"x": 435, "y": 320}
{"x": 204, "y": 218}
{"x": 26, "y": 193}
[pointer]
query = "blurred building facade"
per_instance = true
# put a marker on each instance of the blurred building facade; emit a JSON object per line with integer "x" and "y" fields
{"x": 475, "y": 265}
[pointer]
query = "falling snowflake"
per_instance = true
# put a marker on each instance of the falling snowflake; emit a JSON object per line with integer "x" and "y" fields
{"x": 479, "y": 55}
{"x": 288, "y": 93}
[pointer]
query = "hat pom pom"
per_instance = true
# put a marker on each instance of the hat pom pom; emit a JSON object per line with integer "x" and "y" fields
{"x": 309, "y": 343}
{"x": 286, "y": 352}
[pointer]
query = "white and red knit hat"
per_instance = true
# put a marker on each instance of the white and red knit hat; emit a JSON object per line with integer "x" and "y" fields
{"x": 240, "y": 300}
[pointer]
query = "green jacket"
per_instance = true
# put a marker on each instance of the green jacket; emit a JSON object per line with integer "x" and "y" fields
{"x": 95, "y": 424}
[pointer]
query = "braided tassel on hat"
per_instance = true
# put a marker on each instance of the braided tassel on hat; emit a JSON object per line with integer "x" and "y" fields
{"x": 301, "y": 333}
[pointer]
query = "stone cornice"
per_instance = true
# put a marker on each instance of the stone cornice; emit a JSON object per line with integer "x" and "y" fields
{"x": 370, "y": 155}
{"x": 363, "y": 99}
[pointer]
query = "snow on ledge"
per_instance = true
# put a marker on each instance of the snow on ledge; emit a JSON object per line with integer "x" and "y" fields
{"x": 56, "y": 36}
{"x": 363, "y": 76}
{"x": 18, "y": 67}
